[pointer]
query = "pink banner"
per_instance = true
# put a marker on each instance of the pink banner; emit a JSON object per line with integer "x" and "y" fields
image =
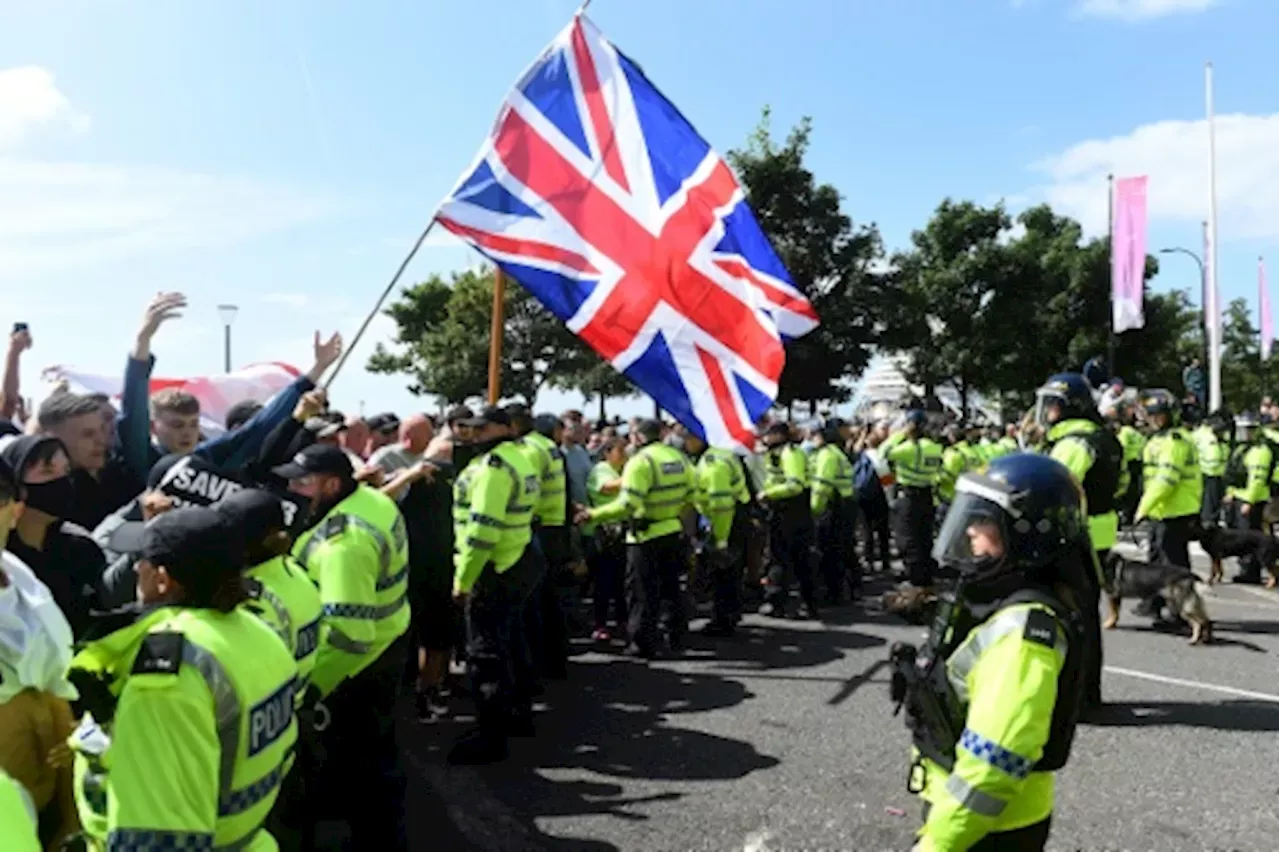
{"x": 1128, "y": 253}
{"x": 1266, "y": 322}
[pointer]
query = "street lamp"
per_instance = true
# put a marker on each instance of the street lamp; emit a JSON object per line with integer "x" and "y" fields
{"x": 1204, "y": 320}
{"x": 228, "y": 315}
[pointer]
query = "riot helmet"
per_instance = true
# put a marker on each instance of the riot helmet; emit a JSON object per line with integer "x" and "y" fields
{"x": 1018, "y": 517}
{"x": 1065, "y": 396}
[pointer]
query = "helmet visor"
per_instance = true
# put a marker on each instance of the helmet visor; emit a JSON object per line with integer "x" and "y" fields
{"x": 975, "y": 532}
{"x": 1046, "y": 399}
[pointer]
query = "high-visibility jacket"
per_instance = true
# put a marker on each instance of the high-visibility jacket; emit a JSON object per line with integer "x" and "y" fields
{"x": 358, "y": 555}
{"x": 786, "y": 486}
{"x": 201, "y": 735}
{"x": 916, "y": 462}
{"x": 1212, "y": 451}
{"x": 830, "y": 476}
{"x": 720, "y": 486}
{"x": 657, "y": 483}
{"x": 1006, "y": 446}
{"x": 601, "y": 474}
{"x": 1005, "y": 674}
{"x": 955, "y": 461}
{"x": 17, "y": 817}
{"x": 1258, "y": 463}
{"x": 1172, "y": 486}
{"x": 493, "y": 507}
{"x": 289, "y": 603}
{"x": 548, "y": 461}
{"x": 1094, "y": 456}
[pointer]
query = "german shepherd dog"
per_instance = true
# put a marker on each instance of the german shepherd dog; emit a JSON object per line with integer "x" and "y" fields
{"x": 1129, "y": 579}
{"x": 1221, "y": 543}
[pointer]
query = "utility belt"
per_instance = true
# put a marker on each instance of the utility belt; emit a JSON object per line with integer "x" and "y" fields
{"x": 900, "y": 490}
{"x": 638, "y": 526}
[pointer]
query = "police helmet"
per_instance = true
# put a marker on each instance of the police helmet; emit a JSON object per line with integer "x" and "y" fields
{"x": 547, "y": 425}
{"x": 1159, "y": 402}
{"x": 916, "y": 417}
{"x": 830, "y": 430}
{"x": 1247, "y": 420}
{"x": 1023, "y": 513}
{"x": 1070, "y": 393}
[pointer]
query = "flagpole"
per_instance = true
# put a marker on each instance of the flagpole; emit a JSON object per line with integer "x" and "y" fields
{"x": 1213, "y": 311}
{"x": 1111, "y": 252}
{"x": 496, "y": 323}
{"x": 395, "y": 279}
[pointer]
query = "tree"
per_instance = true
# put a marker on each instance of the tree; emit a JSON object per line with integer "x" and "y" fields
{"x": 443, "y": 338}
{"x": 830, "y": 260}
{"x": 595, "y": 378}
{"x": 947, "y": 316}
{"x": 1246, "y": 375}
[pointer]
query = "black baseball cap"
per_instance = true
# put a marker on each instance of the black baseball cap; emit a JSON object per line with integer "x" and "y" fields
{"x": 323, "y": 427}
{"x": 195, "y": 544}
{"x": 255, "y": 512}
{"x": 317, "y": 458}
{"x": 385, "y": 423}
{"x": 487, "y": 415}
{"x": 458, "y": 413}
{"x": 8, "y": 482}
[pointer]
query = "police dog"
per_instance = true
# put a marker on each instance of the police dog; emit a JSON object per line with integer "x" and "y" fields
{"x": 1221, "y": 543}
{"x": 1129, "y": 579}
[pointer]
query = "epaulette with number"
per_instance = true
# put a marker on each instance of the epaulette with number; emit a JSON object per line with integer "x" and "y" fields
{"x": 161, "y": 653}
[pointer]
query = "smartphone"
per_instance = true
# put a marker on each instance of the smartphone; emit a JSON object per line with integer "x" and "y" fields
{"x": 19, "y": 326}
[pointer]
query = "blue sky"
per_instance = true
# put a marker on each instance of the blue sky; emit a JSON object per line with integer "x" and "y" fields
{"x": 282, "y": 156}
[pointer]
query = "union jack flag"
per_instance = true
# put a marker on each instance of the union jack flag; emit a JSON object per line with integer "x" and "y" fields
{"x": 596, "y": 194}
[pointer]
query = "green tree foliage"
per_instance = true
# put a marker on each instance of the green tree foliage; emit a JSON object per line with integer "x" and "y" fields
{"x": 442, "y": 341}
{"x": 1246, "y": 376}
{"x": 830, "y": 260}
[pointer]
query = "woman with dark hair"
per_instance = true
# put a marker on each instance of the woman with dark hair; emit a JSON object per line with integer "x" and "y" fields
{"x": 62, "y": 554}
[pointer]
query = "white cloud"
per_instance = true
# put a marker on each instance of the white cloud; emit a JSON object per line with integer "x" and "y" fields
{"x": 29, "y": 98}
{"x": 1142, "y": 10}
{"x": 60, "y": 215}
{"x": 291, "y": 300}
{"x": 1174, "y": 154}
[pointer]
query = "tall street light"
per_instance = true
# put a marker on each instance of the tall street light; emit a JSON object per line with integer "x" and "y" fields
{"x": 1204, "y": 323}
{"x": 228, "y": 315}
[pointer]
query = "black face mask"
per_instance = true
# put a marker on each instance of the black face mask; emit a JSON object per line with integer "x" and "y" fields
{"x": 56, "y": 498}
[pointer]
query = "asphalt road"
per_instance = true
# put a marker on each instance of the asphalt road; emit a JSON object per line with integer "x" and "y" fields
{"x": 782, "y": 739}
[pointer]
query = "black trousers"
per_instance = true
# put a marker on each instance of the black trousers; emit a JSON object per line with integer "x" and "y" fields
{"x": 608, "y": 564}
{"x": 360, "y": 778}
{"x": 501, "y": 667}
{"x": 791, "y": 552}
{"x": 555, "y": 599}
{"x": 1250, "y": 567}
{"x": 653, "y": 578}
{"x": 1169, "y": 541}
{"x": 1093, "y": 633}
{"x": 726, "y": 571}
{"x": 1211, "y": 501}
{"x": 1133, "y": 495}
{"x": 838, "y": 557}
{"x": 914, "y": 532}
{"x": 874, "y": 515}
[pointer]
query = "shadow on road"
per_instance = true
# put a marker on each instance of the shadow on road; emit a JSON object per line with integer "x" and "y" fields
{"x": 1254, "y": 628}
{"x": 1244, "y": 715}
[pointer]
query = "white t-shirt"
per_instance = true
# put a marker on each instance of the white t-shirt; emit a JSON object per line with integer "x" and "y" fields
{"x": 394, "y": 458}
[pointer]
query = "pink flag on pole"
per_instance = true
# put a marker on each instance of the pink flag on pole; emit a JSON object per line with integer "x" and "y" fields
{"x": 1128, "y": 253}
{"x": 1266, "y": 321}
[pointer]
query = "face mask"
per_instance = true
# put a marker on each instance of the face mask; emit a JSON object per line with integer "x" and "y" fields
{"x": 56, "y": 498}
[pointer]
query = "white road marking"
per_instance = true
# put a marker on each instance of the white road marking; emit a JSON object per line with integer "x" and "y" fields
{"x": 1194, "y": 684}
{"x": 757, "y": 841}
{"x": 1218, "y": 600}
{"x": 1266, "y": 594}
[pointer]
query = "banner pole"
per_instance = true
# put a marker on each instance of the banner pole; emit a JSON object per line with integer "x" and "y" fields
{"x": 1111, "y": 265}
{"x": 497, "y": 320}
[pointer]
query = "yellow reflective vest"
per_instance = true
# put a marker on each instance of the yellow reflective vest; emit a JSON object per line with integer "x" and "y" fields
{"x": 17, "y": 817}
{"x": 721, "y": 486}
{"x": 916, "y": 462}
{"x": 1006, "y": 677}
{"x": 548, "y": 462}
{"x": 657, "y": 484}
{"x": 493, "y": 509}
{"x": 358, "y": 556}
{"x": 830, "y": 476}
{"x": 289, "y": 603}
{"x": 1172, "y": 486}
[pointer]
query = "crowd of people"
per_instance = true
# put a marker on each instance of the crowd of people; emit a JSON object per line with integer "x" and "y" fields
{"x": 203, "y": 639}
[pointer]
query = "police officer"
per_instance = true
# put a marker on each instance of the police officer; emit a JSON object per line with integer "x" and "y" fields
{"x": 1076, "y": 437}
{"x": 1251, "y": 467}
{"x": 356, "y": 552}
{"x": 1000, "y": 669}
{"x": 955, "y": 462}
{"x": 555, "y": 593}
{"x": 916, "y": 461}
{"x": 1212, "y": 439}
{"x": 722, "y": 497}
{"x": 1171, "y": 492}
{"x": 785, "y": 495}
{"x": 281, "y": 594}
{"x": 197, "y": 695}
{"x": 1135, "y": 445}
{"x": 657, "y": 484}
{"x": 834, "y": 511}
{"x": 496, "y": 572}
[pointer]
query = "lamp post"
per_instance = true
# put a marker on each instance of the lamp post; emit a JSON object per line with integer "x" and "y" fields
{"x": 228, "y": 315}
{"x": 1204, "y": 317}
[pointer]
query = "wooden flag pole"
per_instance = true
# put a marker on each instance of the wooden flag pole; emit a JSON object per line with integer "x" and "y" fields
{"x": 496, "y": 324}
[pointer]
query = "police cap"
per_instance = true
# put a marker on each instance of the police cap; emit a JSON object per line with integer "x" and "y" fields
{"x": 196, "y": 545}
{"x": 317, "y": 458}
